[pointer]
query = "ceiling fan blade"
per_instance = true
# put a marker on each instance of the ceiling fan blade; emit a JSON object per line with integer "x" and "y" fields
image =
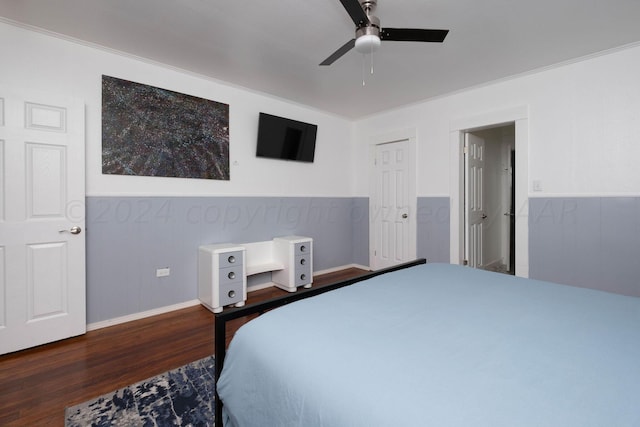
{"x": 413, "y": 35}
{"x": 338, "y": 53}
{"x": 356, "y": 12}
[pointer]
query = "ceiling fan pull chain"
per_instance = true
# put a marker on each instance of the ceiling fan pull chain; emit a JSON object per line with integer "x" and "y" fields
{"x": 363, "y": 74}
{"x": 372, "y": 60}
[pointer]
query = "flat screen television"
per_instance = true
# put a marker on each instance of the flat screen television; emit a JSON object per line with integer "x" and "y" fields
{"x": 281, "y": 138}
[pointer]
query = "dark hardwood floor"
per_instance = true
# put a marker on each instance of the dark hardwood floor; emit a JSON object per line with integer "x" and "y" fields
{"x": 37, "y": 384}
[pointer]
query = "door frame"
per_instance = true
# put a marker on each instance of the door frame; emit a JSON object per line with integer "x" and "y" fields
{"x": 457, "y": 129}
{"x": 408, "y": 135}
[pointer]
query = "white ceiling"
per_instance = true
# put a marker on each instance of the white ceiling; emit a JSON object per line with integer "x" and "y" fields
{"x": 275, "y": 46}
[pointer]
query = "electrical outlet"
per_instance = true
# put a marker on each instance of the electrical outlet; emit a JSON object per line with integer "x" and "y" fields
{"x": 163, "y": 272}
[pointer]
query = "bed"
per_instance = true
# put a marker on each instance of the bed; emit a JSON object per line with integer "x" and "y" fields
{"x": 437, "y": 345}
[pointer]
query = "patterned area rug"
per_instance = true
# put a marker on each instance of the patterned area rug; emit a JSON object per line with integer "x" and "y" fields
{"x": 181, "y": 397}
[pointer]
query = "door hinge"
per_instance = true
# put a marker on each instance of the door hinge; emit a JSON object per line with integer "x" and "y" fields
{"x": 465, "y": 262}
{"x": 465, "y": 149}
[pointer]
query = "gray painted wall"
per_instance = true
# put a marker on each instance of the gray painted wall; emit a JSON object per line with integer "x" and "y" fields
{"x": 360, "y": 231}
{"x": 433, "y": 229}
{"x": 128, "y": 238}
{"x": 592, "y": 242}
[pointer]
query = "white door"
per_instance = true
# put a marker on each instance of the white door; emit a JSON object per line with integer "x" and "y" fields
{"x": 390, "y": 205}
{"x": 474, "y": 199}
{"x": 42, "y": 219}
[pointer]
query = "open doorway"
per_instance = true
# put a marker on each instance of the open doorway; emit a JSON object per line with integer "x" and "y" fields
{"x": 489, "y": 198}
{"x": 517, "y": 116}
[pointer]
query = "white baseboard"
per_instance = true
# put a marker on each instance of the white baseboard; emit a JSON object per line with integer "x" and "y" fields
{"x": 169, "y": 308}
{"x": 141, "y": 315}
{"x": 342, "y": 267}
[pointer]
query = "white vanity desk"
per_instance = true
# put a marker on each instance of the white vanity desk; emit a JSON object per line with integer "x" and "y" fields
{"x": 223, "y": 268}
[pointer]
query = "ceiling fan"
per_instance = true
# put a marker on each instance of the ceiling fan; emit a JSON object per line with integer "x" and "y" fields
{"x": 369, "y": 33}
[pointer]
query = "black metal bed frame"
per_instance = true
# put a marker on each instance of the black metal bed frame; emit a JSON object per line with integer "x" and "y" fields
{"x": 222, "y": 318}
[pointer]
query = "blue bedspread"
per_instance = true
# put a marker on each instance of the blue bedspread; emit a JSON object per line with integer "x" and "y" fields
{"x": 439, "y": 345}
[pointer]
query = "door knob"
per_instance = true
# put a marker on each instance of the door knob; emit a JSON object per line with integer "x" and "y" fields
{"x": 405, "y": 216}
{"x": 484, "y": 216}
{"x": 72, "y": 230}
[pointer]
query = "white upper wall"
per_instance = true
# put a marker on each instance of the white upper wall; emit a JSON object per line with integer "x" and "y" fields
{"x": 584, "y": 127}
{"x": 41, "y": 62}
{"x": 583, "y": 121}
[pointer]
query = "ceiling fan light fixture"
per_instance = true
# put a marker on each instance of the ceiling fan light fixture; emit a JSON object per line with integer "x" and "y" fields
{"x": 369, "y": 33}
{"x": 367, "y": 43}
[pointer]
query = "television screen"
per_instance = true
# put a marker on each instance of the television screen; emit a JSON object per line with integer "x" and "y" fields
{"x": 280, "y": 138}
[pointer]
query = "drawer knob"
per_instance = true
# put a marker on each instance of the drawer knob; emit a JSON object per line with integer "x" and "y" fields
{"x": 303, "y": 277}
{"x": 303, "y": 261}
{"x": 303, "y": 248}
{"x": 232, "y": 294}
{"x": 231, "y": 259}
{"x": 231, "y": 275}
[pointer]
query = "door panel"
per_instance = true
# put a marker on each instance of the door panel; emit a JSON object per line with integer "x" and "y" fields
{"x": 42, "y": 296}
{"x": 3, "y": 286}
{"x": 45, "y": 117}
{"x": 45, "y": 180}
{"x": 46, "y": 281}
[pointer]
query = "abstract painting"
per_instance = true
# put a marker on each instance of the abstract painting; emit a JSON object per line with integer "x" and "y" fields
{"x": 150, "y": 131}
